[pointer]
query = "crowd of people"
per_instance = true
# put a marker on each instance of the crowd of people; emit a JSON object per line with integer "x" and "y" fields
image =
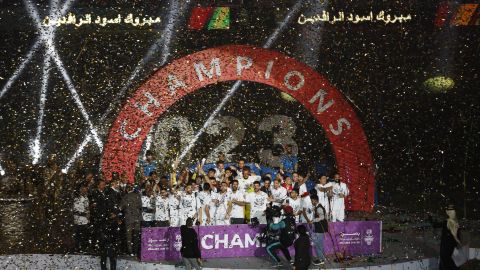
{"x": 108, "y": 216}
{"x": 226, "y": 193}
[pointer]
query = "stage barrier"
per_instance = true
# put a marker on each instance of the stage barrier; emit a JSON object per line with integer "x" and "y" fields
{"x": 349, "y": 238}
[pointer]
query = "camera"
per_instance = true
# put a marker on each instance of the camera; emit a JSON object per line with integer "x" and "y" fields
{"x": 268, "y": 236}
{"x": 273, "y": 212}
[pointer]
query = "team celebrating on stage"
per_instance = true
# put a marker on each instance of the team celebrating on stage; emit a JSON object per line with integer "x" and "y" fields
{"x": 235, "y": 195}
{"x": 223, "y": 194}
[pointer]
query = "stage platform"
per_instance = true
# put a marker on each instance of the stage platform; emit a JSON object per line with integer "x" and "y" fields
{"x": 408, "y": 242}
{"x": 81, "y": 262}
{"x": 402, "y": 250}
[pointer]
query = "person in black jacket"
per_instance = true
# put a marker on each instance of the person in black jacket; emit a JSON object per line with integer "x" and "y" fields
{"x": 190, "y": 251}
{"x": 302, "y": 249}
{"x": 320, "y": 225}
{"x": 449, "y": 240}
{"x": 108, "y": 243}
{"x": 106, "y": 221}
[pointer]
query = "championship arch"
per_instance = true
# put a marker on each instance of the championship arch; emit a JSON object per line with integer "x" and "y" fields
{"x": 242, "y": 62}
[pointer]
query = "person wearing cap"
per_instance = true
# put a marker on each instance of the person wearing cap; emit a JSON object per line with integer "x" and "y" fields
{"x": 287, "y": 230}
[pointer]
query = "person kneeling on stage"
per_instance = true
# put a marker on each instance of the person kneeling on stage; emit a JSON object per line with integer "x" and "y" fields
{"x": 190, "y": 251}
{"x": 287, "y": 236}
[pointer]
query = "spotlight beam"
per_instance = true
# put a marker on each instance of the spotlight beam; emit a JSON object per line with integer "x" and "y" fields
{"x": 270, "y": 41}
{"x": 30, "y": 54}
{"x": 53, "y": 54}
{"x": 165, "y": 39}
{"x": 36, "y": 145}
{"x": 20, "y": 68}
{"x": 2, "y": 171}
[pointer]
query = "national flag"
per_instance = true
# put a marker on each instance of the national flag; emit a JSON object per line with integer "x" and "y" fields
{"x": 217, "y": 18}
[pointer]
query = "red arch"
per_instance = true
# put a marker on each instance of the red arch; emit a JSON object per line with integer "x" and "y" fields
{"x": 232, "y": 62}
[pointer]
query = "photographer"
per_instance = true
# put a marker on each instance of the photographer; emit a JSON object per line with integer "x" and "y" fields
{"x": 286, "y": 227}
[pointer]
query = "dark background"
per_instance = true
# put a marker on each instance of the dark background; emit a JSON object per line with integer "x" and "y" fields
{"x": 425, "y": 144}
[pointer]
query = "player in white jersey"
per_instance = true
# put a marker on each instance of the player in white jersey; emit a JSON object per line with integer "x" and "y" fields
{"x": 239, "y": 167}
{"x": 148, "y": 208}
{"x": 296, "y": 203}
{"x": 324, "y": 193}
{"x": 279, "y": 193}
{"x": 340, "y": 191}
{"x": 245, "y": 180}
{"x": 302, "y": 187}
{"x": 221, "y": 202}
{"x": 219, "y": 170}
{"x": 174, "y": 208}
{"x": 307, "y": 210}
{"x": 205, "y": 207}
{"x": 236, "y": 207}
{"x": 188, "y": 205}
{"x": 162, "y": 213}
{"x": 258, "y": 201}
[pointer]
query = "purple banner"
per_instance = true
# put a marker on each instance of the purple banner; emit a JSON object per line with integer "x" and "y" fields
{"x": 353, "y": 237}
{"x": 349, "y": 238}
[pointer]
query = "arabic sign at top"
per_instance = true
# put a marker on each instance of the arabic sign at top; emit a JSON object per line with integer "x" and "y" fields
{"x": 354, "y": 18}
{"x": 71, "y": 19}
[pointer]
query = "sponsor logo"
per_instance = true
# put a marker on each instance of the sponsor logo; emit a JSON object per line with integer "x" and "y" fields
{"x": 178, "y": 242}
{"x": 369, "y": 237}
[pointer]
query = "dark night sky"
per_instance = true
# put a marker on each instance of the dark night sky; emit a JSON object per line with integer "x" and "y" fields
{"x": 423, "y": 143}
